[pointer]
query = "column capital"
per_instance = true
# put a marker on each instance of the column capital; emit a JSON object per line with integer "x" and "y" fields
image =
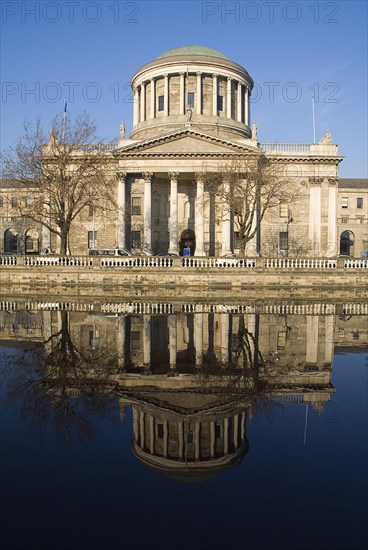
{"x": 198, "y": 176}
{"x": 214, "y": 75}
{"x": 121, "y": 176}
{"x": 174, "y": 175}
{"x": 147, "y": 176}
{"x": 229, "y": 78}
{"x": 199, "y": 73}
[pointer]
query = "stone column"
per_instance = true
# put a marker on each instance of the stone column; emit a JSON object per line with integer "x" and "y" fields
{"x": 199, "y": 216}
{"x": 120, "y": 341}
{"x": 143, "y": 102}
{"x": 152, "y": 434}
{"x": 212, "y": 438}
{"x": 199, "y": 93}
{"x": 182, "y": 94}
{"x": 147, "y": 223}
{"x": 141, "y": 429}
{"x": 226, "y": 436}
{"x": 153, "y": 98}
{"x": 228, "y": 97}
{"x": 311, "y": 354}
{"x": 329, "y": 338}
{"x": 315, "y": 219}
{"x": 196, "y": 441}
{"x": 226, "y": 225}
{"x": 332, "y": 248}
{"x": 214, "y": 98}
{"x": 135, "y": 107}
{"x": 147, "y": 341}
{"x": 135, "y": 423}
{"x": 173, "y": 228}
{"x": 120, "y": 237}
{"x": 239, "y": 103}
{"x": 198, "y": 339}
{"x": 171, "y": 321}
{"x": 251, "y": 326}
{"x": 225, "y": 338}
{"x": 166, "y": 95}
{"x": 246, "y": 107}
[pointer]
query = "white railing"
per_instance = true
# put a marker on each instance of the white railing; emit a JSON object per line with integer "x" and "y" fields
{"x": 285, "y": 146}
{"x": 299, "y": 263}
{"x": 162, "y": 262}
{"x": 218, "y": 262}
{"x": 356, "y": 263}
{"x": 145, "y": 261}
{"x": 8, "y": 260}
{"x": 61, "y": 261}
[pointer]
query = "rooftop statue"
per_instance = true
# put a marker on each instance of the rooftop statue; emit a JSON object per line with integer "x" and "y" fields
{"x": 327, "y": 138}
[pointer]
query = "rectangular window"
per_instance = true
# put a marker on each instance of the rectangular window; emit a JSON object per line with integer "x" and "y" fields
{"x": 160, "y": 430}
{"x": 1, "y": 202}
{"x": 344, "y": 202}
{"x": 136, "y": 206}
{"x": 29, "y": 201}
{"x": 14, "y": 201}
{"x": 135, "y": 340}
{"x": 190, "y": 100}
{"x": 90, "y": 211}
{"x": 359, "y": 202}
{"x": 136, "y": 239}
{"x": 284, "y": 210}
{"x": 220, "y": 103}
{"x": 344, "y": 220}
{"x": 92, "y": 239}
{"x": 283, "y": 240}
{"x": 160, "y": 102}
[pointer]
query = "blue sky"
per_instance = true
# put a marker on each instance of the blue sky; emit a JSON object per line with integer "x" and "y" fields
{"x": 88, "y": 52}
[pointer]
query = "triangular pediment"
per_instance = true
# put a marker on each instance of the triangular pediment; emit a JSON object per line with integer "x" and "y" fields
{"x": 185, "y": 142}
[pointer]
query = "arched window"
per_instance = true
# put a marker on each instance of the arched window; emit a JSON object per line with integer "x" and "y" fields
{"x": 32, "y": 242}
{"x": 11, "y": 241}
{"x": 347, "y": 243}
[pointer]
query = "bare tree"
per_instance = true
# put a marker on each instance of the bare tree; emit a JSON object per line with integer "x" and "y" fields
{"x": 68, "y": 174}
{"x": 248, "y": 188}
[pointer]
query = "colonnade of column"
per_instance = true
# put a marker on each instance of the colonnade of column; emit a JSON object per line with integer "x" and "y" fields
{"x": 229, "y": 438}
{"x": 240, "y": 93}
{"x": 173, "y": 218}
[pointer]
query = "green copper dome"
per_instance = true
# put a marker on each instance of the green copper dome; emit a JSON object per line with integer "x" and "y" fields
{"x": 192, "y": 50}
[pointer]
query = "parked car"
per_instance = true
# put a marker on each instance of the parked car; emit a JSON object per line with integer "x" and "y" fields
{"x": 364, "y": 254}
{"x": 109, "y": 252}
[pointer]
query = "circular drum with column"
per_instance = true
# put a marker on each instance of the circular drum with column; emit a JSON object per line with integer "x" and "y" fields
{"x": 192, "y": 85}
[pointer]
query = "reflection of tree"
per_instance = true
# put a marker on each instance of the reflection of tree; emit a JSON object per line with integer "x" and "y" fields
{"x": 246, "y": 354}
{"x": 63, "y": 386}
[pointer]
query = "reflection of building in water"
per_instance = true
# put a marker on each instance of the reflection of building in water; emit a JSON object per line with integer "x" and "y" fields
{"x": 189, "y": 436}
{"x": 192, "y": 379}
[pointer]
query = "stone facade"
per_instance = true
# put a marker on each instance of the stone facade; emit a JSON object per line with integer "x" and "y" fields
{"x": 191, "y": 115}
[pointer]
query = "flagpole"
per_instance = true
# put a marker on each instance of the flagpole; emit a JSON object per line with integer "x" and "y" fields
{"x": 314, "y": 121}
{"x": 64, "y": 119}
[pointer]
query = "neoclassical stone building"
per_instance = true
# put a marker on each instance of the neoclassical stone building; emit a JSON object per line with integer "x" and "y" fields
{"x": 191, "y": 116}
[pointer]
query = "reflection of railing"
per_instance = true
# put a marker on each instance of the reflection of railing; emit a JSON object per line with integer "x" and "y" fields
{"x": 317, "y": 308}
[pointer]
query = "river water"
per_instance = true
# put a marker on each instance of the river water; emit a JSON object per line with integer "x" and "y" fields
{"x": 192, "y": 426}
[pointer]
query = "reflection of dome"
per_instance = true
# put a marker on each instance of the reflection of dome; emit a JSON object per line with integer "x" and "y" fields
{"x": 190, "y": 472}
{"x": 192, "y": 51}
{"x": 192, "y": 445}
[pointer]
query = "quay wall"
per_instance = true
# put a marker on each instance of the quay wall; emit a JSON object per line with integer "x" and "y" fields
{"x": 82, "y": 278}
